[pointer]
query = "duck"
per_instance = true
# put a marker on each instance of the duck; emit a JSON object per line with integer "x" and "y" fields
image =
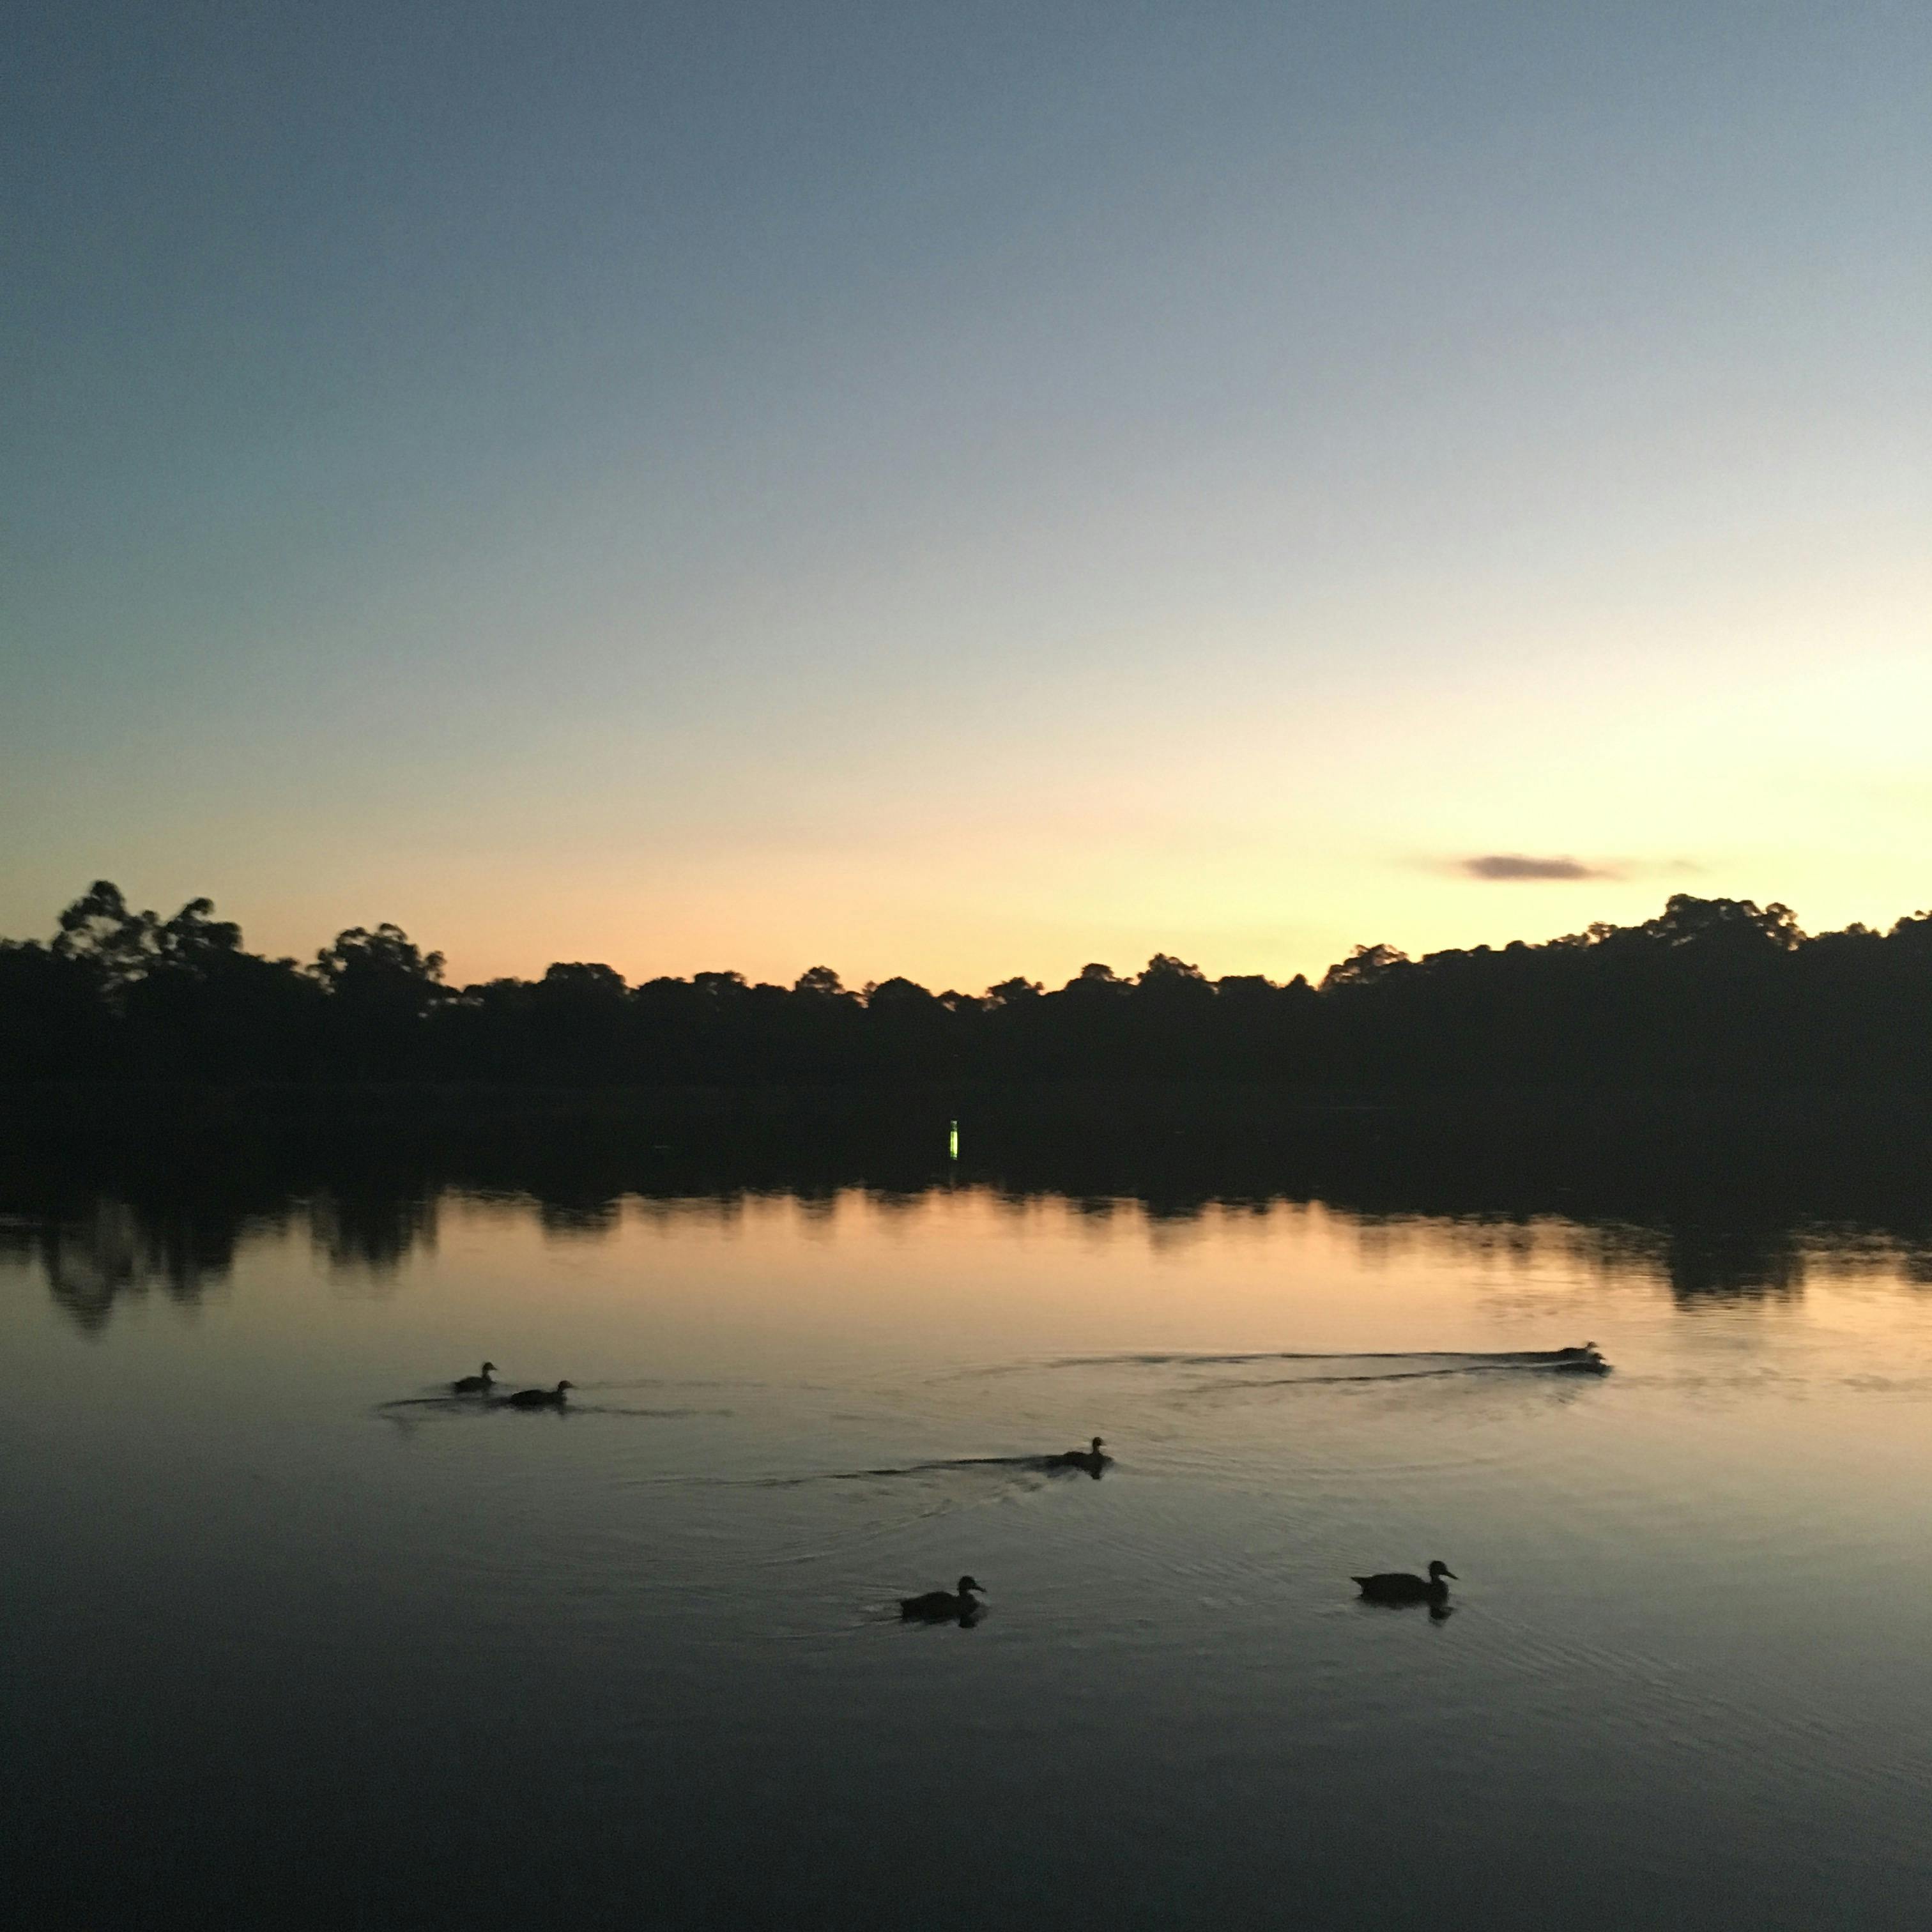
{"x": 1399, "y": 1586}
{"x": 1090, "y": 1459}
{"x": 539, "y": 1398}
{"x": 1589, "y": 1356}
{"x": 937, "y": 1605}
{"x": 477, "y": 1385}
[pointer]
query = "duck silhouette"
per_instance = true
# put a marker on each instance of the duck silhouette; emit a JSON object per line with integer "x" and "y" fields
{"x": 477, "y": 1385}
{"x": 1089, "y": 1459}
{"x": 538, "y": 1398}
{"x": 943, "y": 1605}
{"x": 1587, "y": 1356}
{"x": 1399, "y": 1586}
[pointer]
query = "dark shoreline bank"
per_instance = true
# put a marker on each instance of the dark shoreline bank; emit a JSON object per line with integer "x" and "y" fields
{"x": 1718, "y": 1196}
{"x": 91, "y": 1107}
{"x": 1850, "y": 1156}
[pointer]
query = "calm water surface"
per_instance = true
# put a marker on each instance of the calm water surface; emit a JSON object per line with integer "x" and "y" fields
{"x": 289, "y": 1640}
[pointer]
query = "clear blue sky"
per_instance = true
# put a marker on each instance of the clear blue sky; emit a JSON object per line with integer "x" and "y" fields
{"x": 965, "y": 489}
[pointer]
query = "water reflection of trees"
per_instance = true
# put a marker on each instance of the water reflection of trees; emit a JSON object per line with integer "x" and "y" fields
{"x": 1720, "y": 1240}
{"x": 1697, "y": 1257}
{"x": 1705, "y": 1261}
{"x": 97, "y": 1250}
{"x": 590, "y": 1220}
{"x": 108, "y": 1249}
{"x": 368, "y": 1230}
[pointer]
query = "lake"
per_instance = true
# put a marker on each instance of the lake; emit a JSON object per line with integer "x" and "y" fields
{"x": 293, "y": 1638}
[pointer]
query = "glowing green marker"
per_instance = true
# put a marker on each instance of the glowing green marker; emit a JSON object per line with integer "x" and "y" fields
{"x": 954, "y": 1149}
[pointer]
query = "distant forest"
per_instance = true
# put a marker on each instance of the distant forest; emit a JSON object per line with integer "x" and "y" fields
{"x": 1711, "y": 993}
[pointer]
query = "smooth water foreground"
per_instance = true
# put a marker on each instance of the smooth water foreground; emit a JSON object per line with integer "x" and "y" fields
{"x": 290, "y": 1639}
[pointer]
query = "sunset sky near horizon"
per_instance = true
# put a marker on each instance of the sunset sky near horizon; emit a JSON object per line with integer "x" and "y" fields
{"x": 964, "y": 489}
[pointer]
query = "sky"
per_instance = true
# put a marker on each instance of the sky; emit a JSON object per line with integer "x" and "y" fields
{"x": 962, "y": 490}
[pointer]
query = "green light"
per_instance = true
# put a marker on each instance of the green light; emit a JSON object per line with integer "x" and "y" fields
{"x": 955, "y": 1147}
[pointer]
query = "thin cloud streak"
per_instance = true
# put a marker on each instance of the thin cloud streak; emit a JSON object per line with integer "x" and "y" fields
{"x": 1507, "y": 865}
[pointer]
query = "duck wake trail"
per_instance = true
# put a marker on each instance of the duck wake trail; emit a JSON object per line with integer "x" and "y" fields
{"x": 1000, "y": 1468}
{"x": 1296, "y": 1366}
{"x": 410, "y": 1410}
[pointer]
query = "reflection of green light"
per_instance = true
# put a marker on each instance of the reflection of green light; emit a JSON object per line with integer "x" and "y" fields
{"x": 955, "y": 1148}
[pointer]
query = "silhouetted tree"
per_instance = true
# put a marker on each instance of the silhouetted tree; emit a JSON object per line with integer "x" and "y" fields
{"x": 382, "y": 989}
{"x": 1710, "y": 992}
{"x": 56, "y": 1022}
{"x": 98, "y": 931}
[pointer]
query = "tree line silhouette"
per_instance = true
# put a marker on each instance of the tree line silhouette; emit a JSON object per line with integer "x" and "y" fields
{"x": 1711, "y": 993}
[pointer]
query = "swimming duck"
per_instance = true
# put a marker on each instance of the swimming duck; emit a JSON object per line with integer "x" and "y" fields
{"x": 1089, "y": 1459}
{"x": 475, "y": 1384}
{"x": 936, "y": 1606}
{"x": 539, "y": 1398}
{"x": 1399, "y": 1586}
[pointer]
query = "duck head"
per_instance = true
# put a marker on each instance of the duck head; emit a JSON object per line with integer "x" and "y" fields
{"x": 1438, "y": 1570}
{"x": 967, "y": 1586}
